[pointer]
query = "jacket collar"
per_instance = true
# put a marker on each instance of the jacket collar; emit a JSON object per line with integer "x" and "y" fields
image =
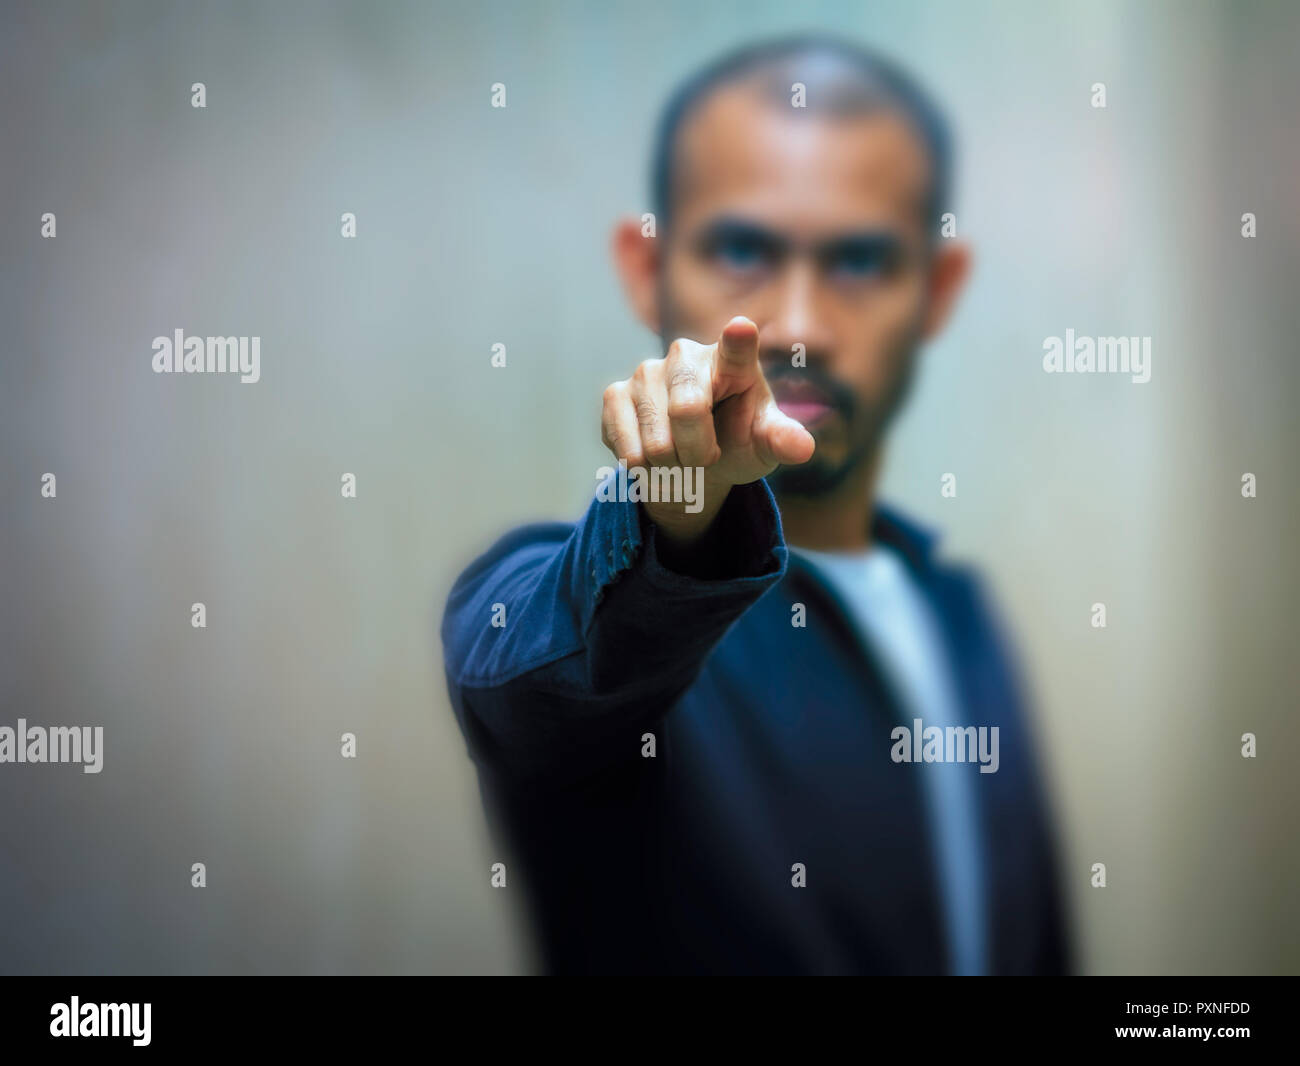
{"x": 913, "y": 541}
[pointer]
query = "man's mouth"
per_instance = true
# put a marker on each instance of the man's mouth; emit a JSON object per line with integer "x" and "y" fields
{"x": 806, "y": 404}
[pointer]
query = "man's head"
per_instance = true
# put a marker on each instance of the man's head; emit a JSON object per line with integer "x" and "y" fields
{"x": 818, "y": 222}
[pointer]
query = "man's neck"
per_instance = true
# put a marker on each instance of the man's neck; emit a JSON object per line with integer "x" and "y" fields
{"x": 838, "y": 521}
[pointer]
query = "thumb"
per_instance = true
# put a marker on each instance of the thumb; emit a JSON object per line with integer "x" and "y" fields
{"x": 778, "y": 438}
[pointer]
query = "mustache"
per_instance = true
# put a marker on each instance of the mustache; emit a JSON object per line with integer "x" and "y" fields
{"x": 777, "y": 369}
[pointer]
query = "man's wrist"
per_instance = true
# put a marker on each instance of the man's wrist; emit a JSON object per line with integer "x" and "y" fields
{"x": 679, "y": 524}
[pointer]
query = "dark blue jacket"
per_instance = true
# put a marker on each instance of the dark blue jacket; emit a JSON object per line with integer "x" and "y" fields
{"x": 772, "y": 747}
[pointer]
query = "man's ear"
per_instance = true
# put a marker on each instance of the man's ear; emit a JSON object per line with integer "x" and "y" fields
{"x": 637, "y": 261}
{"x": 949, "y": 270}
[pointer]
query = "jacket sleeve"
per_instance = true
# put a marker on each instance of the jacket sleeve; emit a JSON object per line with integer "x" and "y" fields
{"x": 563, "y": 643}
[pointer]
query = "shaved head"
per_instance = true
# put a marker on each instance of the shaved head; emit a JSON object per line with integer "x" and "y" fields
{"x": 842, "y": 80}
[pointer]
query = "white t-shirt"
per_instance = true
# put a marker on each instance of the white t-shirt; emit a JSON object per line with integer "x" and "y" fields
{"x": 894, "y": 617}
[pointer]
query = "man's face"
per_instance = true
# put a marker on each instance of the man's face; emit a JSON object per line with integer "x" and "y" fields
{"x": 814, "y": 227}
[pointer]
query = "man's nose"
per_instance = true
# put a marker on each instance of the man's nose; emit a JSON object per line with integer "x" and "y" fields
{"x": 795, "y": 318}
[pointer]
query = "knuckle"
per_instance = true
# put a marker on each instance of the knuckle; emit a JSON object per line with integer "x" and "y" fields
{"x": 609, "y": 434}
{"x": 658, "y": 448}
{"x": 646, "y": 409}
{"x": 684, "y": 351}
{"x": 647, "y": 369}
{"x": 688, "y": 408}
{"x": 683, "y": 376}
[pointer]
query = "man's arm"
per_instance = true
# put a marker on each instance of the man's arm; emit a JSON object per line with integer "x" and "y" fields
{"x": 600, "y": 637}
{"x": 600, "y": 628}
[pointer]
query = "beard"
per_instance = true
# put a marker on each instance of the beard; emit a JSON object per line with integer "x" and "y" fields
{"x": 866, "y": 423}
{"x": 820, "y": 476}
{"x": 815, "y": 478}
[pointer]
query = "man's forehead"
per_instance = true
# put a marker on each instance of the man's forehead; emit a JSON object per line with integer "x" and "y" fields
{"x": 740, "y": 146}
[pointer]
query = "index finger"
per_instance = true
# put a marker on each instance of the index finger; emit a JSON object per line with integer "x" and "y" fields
{"x": 735, "y": 361}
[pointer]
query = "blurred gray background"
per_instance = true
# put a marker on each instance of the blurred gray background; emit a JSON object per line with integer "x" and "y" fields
{"x": 478, "y": 226}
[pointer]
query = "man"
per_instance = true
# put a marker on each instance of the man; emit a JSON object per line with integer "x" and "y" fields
{"x": 708, "y": 728}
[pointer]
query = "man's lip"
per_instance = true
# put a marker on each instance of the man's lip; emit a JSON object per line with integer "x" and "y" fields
{"x": 797, "y": 390}
{"x": 807, "y": 412}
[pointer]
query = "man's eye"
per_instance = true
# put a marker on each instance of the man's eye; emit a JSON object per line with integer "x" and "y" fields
{"x": 858, "y": 262}
{"x": 740, "y": 253}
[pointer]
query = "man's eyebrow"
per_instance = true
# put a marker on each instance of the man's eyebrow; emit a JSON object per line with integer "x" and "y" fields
{"x": 879, "y": 241}
{"x": 882, "y": 242}
{"x": 733, "y": 227}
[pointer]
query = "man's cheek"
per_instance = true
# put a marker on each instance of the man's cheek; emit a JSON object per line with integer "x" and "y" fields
{"x": 869, "y": 379}
{"x": 897, "y": 316}
{"x": 832, "y": 442}
{"x": 695, "y": 303}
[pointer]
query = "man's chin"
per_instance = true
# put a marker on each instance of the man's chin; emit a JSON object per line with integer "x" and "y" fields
{"x": 811, "y": 479}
